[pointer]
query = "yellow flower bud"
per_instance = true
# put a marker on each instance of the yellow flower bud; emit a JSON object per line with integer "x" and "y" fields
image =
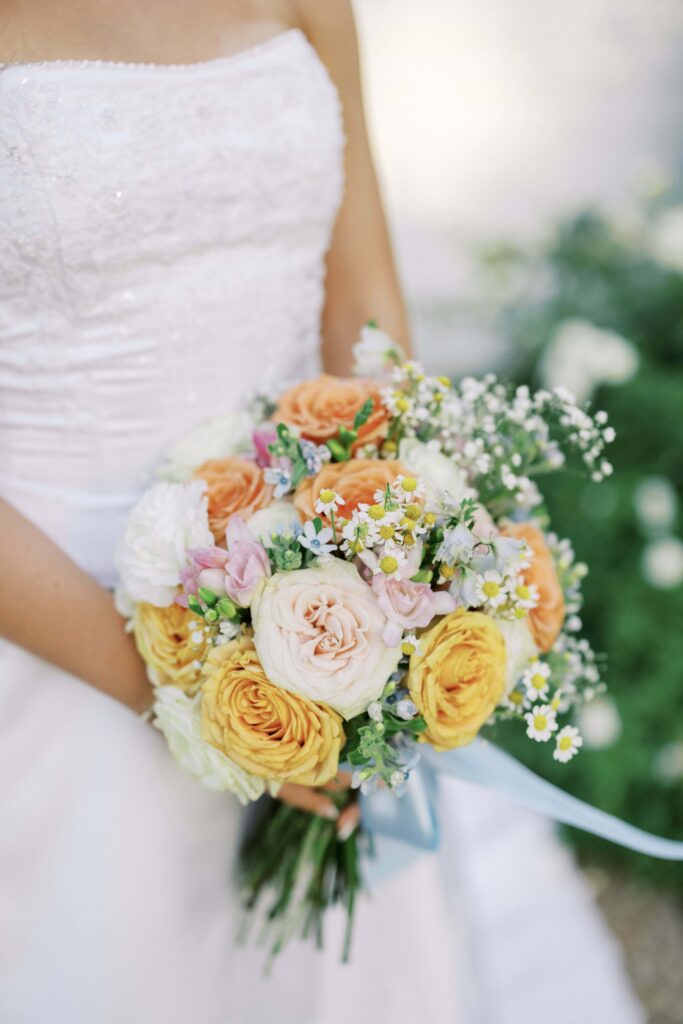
{"x": 445, "y": 381}
{"x": 447, "y": 571}
{"x": 430, "y": 518}
{"x": 413, "y": 511}
{"x": 403, "y": 405}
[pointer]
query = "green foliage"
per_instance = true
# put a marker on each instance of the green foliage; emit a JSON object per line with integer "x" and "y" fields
{"x": 597, "y": 276}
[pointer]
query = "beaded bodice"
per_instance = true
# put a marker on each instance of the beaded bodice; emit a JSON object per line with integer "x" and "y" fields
{"x": 162, "y": 241}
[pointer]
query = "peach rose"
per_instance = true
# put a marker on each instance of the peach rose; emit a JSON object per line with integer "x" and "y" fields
{"x": 319, "y": 633}
{"x": 234, "y": 485}
{"x": 547, "y": 618}
{"x": 267, "y": 731}
{"x": 458, "y": 677}
{"x": 166, "y": 640}
{"x": 356, "y": 481}
{"x": 319, "y": 407}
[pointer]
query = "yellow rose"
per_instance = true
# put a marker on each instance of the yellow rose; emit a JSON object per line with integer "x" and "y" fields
{"x": 268, "y": 731}
{"x": 167, "y": 641}
{"x": 458, "y": 677}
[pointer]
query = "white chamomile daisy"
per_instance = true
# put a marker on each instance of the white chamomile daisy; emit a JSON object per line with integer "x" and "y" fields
{"x": 535, "y": 679}
{"x": 541, "y": 723}
{"x": 525, "y": 595}
{"x": 317, "y": 543}
{"x": 490, "y": 589}
{"x": 408, "y": 488}
{"x": 516, "y": 701}
{"x": 328, "y": 502}
{"x": 567, "y": 743}
{"x": 410, "y": 644}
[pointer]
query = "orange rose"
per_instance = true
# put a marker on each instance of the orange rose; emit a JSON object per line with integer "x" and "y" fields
{"x": 547, "y": 618}
{"x": 356, "y": 481}
{"x": 319, "y": 407}
{"x": 235, "y": 486}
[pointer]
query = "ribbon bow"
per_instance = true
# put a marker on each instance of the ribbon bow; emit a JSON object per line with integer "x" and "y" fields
{"x": 410, "y": 823}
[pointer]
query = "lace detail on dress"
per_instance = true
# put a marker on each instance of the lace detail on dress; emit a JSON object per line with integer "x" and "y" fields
{"x": 162, "y": 239}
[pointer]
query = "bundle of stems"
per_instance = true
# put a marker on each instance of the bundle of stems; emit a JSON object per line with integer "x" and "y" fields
{"x": 294, "y": 867}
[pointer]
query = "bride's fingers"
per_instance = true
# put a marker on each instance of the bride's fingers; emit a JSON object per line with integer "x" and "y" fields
{"x": 342, "y": 780}
{"x": 349, "y": 820}
{"x": 307, "y": 799}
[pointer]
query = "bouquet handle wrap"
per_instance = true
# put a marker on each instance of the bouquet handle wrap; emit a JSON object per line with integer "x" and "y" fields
{"x": 412, "y": 821}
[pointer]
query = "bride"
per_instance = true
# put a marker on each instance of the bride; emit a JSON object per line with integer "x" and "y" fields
{"x": 187, "y": 206}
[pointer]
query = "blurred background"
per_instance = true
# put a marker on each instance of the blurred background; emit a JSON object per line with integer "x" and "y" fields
{"x": 532, "y": 162}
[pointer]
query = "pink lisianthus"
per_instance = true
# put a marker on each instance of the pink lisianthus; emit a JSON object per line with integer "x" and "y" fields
{"x": 261, "y": 438}
{"x": 247, "y": 562}
{"x": 206, "y": 569}
{"x": 408, "y": 605}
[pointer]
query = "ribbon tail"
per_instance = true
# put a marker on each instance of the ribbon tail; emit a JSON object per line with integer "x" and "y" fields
{"x": 486, "y": 765}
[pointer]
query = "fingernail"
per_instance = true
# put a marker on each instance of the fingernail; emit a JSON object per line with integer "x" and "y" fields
{"x": 329, "y": 812}
{"x": 347, "y": 830}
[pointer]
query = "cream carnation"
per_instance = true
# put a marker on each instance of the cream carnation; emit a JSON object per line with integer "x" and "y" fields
{"x": 217, "y": 438}
{"x": 168, "y": 519}
{"x": 439, "y": 473}
{"x": 179, "y": 718}
{"x": 318, "y": 632}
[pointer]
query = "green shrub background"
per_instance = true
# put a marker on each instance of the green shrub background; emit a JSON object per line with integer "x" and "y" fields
{"x": 590, "y": 270}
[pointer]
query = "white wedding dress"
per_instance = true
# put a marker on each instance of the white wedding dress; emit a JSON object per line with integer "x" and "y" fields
{"x": 162, "y": 234}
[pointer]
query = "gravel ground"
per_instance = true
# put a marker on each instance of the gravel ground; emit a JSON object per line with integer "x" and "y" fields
{"x": 649, "y": 924}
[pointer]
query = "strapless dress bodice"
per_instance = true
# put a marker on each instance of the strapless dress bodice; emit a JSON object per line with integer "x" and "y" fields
{"x": 162, "y": 240}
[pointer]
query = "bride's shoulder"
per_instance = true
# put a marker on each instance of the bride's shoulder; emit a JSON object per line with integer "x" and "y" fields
{"x": 331, "y": 29}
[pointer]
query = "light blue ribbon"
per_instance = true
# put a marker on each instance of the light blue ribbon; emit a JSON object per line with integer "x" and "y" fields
{"x": 405, "y": 825}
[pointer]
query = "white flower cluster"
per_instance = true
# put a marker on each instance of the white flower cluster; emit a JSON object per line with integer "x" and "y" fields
{"x": 486, "y": 573}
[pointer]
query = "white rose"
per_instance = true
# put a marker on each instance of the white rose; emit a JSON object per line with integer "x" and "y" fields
{"x": 278, "y": 517}
{"x": 439, "y": 473}
{"x": 375, "y": 353}
{"x": 520, "y": 649}
{"x": 178, "y": 717}
{"x": 168, "y": 519}
{"x": 318, "y": 633}
{"x": 217, "y": 438}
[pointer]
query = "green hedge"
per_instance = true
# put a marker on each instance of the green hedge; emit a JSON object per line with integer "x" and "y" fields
{"x": 589, "y": 271}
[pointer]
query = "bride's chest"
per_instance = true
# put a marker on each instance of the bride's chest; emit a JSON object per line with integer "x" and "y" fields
{"x": 97, "y": 162}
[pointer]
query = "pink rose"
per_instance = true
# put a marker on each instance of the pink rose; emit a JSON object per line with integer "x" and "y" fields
{"x": 247, "y": 564}
{"x": 261, "y": 438}
{"x": 408, "y": 605}
{"x": 206, "y": 569}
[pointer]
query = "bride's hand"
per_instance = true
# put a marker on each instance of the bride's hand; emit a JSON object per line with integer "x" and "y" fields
{"x": 316, "y": 802}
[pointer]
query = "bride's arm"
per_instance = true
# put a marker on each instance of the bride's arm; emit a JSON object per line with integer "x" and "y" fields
{"x": 362, "y": 283}
{"x": 49, "y": 606}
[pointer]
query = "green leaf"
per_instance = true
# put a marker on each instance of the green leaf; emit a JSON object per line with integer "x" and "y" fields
{"x": 318, "y": 524}
{"x": 356, "y": 758}
{"x": 363, "y": 414}
{"x": 347, "y": 437}
{"x": 338, "y": 452}
{"x": 423, "y": 576}
{"x": 194, "y": 605}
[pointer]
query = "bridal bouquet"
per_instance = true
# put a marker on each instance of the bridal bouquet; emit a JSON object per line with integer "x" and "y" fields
{"x": 346, "y": 576}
